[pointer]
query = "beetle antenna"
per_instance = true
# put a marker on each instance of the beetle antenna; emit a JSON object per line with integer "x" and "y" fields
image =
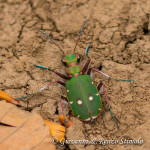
{"x": 52, "y": 41}
{"x": 80, "y": 34}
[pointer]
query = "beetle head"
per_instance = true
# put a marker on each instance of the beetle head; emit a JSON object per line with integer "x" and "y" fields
{"x": 70, "y": 59}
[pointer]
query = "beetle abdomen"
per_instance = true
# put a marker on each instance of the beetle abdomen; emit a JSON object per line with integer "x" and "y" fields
{"x": 83, "y": 97}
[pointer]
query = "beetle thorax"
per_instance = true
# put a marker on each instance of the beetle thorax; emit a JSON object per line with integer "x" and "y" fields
{"x": 71, "y": 63}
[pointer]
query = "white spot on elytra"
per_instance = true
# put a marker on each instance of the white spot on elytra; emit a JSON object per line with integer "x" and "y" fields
{"x": 78, "y": 116}
{"x": 92, "y": 82}
{"x": 94, "y": 117}
{"x": 71, "y": 102}
{"x": 99, "y": 108}
{"x": 96, "y": 94}
{"x": 67, "y": 90}
{"x": 79, "y": 102}
{"x": 90, "y": 98}
{"x": 87, "y": 119}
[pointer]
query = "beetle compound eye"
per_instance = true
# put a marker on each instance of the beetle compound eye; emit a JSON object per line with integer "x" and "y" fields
{"x": 64, "y": 62}
{"x": 78, "y": 58}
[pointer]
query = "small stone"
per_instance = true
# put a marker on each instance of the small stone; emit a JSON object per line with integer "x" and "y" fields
{"x": 31, "y": 23}
{"x": 40, "y": 12}
{"x": 87, "y": 126}
{"x": 19, "y": 66}
{"x": 47, "y": 26}
{"x": 97, "y": 131}
{"x": 116, "y": 38}
{"x": 49, "y": 107}
{"x": 106, "y": 36}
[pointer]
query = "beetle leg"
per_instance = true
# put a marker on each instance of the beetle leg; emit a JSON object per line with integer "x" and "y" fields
{"x": 100, "y": 87}
{"x": 65, "y": 121}
{"x": 62, "y": 75}
{"x": 61, "y": 82}
{"x": 64, "y": 98}
{"x": 42, "y": 67}
{"x": 43, "y": 88}
{"x": 86, "y": 66}
{"x": 107, "y": 76}
{"x": 58, "y": 73}
{"x": 109, "y": 107}
{"x": 89, "y": 71}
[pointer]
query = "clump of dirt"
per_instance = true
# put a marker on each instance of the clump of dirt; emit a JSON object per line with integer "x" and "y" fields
{"x": 120, "y": 36}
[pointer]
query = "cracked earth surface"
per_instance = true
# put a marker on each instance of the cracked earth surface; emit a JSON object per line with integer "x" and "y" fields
{"x": 120, "y": 36}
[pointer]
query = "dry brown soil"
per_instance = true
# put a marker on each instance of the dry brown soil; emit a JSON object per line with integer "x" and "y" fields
{"x": 120, "y": 34}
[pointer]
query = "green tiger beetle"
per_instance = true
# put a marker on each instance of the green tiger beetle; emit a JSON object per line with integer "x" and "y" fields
{"x": 81, "y": 93}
